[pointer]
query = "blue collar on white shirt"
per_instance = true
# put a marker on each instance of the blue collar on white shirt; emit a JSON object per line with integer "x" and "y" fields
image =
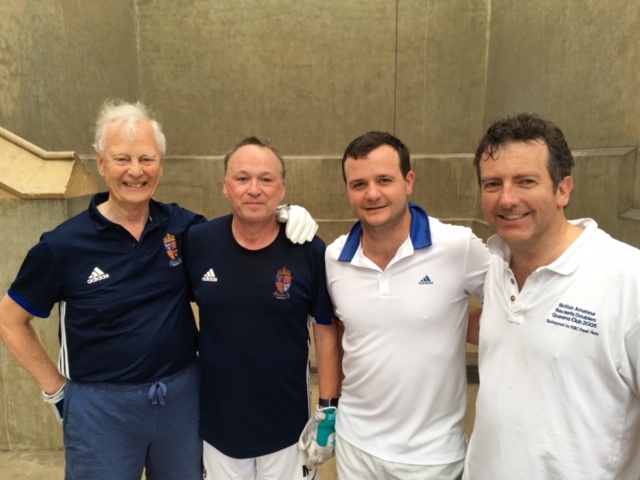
{"x": 420, "y": 233}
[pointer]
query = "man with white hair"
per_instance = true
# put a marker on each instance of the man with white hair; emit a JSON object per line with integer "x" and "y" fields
{"x": 128, "y": 370}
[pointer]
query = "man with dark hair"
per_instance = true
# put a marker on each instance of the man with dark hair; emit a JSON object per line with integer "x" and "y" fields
{"x": 560, "y": 329}
{"x": 257, "y": 293}
{"x": 400, "y": 282}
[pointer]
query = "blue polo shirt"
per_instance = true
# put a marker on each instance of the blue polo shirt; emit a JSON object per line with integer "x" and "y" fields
{"x": 124, "y": 307}
{"x": 254, "y": 336}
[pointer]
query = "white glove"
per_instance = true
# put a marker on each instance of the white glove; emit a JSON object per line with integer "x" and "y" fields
{"x": 318, "y": 438}
{"x": 301, "y": 227}
{"x": 56, "y": 400}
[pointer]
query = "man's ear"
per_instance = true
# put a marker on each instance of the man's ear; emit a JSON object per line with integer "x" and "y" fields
{"x": 100, "y": 164}
{"x": 564, "y": 191}
{"x": 410, "y": 178}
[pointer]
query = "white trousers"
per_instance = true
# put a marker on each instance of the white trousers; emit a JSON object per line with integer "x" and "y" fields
{"x": 285, "y": 464}
{"x": 354, "y": 464}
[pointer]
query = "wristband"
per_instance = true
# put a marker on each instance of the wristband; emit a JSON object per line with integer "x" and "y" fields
{"x": 54, "y": 397}
{"x": 328, "y": 402}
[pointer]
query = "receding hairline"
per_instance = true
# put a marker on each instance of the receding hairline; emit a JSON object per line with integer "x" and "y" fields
{"x": 279, "y": 161}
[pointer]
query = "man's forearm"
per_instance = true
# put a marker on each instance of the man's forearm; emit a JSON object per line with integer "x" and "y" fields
{"x": 327, "y": 360}
{"x": 23, "y": 343}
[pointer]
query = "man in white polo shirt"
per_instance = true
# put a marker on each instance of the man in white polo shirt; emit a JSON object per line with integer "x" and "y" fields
{"x": 559, "y": 390}
{"x": 400, "y": 282}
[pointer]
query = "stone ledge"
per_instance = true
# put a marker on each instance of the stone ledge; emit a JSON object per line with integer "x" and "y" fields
{"x": 631, "y": 213}
{"x": 30, "y": 172}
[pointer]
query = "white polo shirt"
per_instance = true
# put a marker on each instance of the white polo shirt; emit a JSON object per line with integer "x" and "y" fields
{"x": 404, "y": 393}
{"x": 558, "y": 365}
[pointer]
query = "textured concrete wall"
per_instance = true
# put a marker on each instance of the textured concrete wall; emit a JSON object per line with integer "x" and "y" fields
{"x": 575, "y": 62}
{"x": 313, "y": 75}
{"x": 59, "y": 59}
{"x": 440, "y": 74}
{"x": 309, "y": 74}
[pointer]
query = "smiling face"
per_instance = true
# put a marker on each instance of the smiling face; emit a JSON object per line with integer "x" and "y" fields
{"x": 377, "y": 190}
{"x": 518, "y": 196}
{"x": 131, "y": 165}
{"x": 254, "y": 184}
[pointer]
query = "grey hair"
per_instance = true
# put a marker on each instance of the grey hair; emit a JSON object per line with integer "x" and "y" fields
{"x": 125, "y": 115}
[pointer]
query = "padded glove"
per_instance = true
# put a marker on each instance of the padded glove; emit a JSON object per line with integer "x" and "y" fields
{"x": 301, "y": 227}
{"x": 318, "y": 438}
{"x": 56, "y": 400}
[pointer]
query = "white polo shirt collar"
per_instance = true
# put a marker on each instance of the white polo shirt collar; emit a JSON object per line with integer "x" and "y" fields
{"x": 420, "y": 234}
{"x": 570, "y": 259}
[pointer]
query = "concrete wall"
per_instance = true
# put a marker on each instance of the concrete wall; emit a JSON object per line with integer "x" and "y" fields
{"x": 440, "y": 74}
{"x": 59, "y": 60}
{"x": 575, "y": 62}
{"x": 313, "y": 75}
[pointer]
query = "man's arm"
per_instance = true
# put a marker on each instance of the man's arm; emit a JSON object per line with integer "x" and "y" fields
{"x": 473, "y": 329}
{"x": 632, "y": 370}
{"x": 318, "y": 436}
{"x": 23, "y": 343}
{"x": 328, "y": 359}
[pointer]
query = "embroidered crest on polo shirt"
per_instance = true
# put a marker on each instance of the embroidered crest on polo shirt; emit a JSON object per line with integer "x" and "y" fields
{"x": 425, "y": 281}
{"x": 171, "y": 246}
{"x": 283, "y": 283}
{"x": 97, "y": 275}
{"x": 210, "y": 276}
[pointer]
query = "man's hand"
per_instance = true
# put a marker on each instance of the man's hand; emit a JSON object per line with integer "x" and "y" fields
{"x": 56, "y": 400}
{"x": 301, "y": 227}
{"x": 318, "y": 438}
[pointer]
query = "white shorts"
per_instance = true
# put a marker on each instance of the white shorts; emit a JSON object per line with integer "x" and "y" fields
{"x": 285, "y": 464}
{"x": 354, "y": 464}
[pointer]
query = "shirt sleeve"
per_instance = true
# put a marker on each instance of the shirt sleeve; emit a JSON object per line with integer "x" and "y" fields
{"x": 38, "y": 285}
{"x": 629, "y": 369}
{"x": 322, "y": 307}
{"x": 477, "y": 264}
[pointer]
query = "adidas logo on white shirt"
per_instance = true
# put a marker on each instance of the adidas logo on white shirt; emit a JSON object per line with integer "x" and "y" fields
{"x": 210, "y": 276}
{"x": 97, "y": 275}
{"x": 425, "y": 281}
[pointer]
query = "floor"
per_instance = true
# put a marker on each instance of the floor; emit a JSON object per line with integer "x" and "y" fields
{"x": 49, "y": 465}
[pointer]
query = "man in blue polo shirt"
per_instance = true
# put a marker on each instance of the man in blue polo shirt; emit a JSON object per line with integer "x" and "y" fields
{"x": 127, "y": 368}
{"x": 256, "y": 292}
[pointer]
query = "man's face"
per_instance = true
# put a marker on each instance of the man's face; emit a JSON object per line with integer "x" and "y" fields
{"x": 518, "y": 198}
{"x": 131, "y": 165}
{"x": 378, "y": 193}
{"x": 253, "y": 184}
